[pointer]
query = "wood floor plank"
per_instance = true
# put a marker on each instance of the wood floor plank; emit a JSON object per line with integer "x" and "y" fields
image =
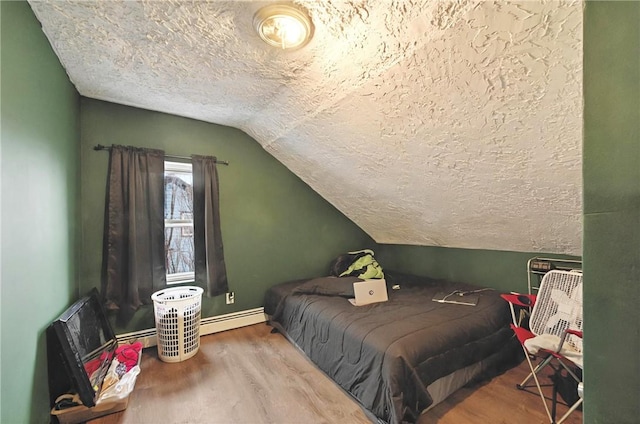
{"x": 250, "y": 375}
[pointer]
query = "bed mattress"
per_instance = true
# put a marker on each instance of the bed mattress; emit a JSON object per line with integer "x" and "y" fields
{"x": 387, "y": 354}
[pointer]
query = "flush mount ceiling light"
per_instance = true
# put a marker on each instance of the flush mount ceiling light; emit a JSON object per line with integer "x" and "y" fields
{"x": 283, "y": 26}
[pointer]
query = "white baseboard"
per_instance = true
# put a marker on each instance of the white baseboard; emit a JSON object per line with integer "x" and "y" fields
{"x": 208, "y": 325}
{"x": 230, "y": 321}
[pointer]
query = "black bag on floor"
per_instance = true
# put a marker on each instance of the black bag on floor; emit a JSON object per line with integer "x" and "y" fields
{"x": 567, "y": 386}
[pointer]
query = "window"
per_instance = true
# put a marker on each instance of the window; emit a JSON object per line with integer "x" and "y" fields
{"x": 178, "y": 222}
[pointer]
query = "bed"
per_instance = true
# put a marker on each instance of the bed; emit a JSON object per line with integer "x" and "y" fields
{"x": 401, "y": 357}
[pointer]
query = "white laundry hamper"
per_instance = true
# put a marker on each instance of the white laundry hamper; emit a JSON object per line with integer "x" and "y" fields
{"x": 177, "y": 313}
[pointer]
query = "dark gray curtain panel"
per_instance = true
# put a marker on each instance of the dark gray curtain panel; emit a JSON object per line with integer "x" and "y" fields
{"x": 210, "y": 269}
{"x": 133, "y": 263}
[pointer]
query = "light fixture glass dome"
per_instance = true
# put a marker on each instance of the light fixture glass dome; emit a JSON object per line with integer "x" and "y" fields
{"x": 283, "y": 26}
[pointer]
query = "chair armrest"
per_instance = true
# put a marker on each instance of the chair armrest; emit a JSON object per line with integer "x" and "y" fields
{"x": 577, "y": 333}
{"x": 574, "y": 332}
{"x": 522, "y": 333}
{"x": 524, "y": 300}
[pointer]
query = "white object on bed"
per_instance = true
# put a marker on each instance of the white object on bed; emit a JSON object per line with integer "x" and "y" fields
{"x": 456, "y": 297}
{"x": 369, "y": 291}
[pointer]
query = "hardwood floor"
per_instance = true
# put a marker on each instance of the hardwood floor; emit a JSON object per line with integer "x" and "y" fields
{"x": 249, "y": 375}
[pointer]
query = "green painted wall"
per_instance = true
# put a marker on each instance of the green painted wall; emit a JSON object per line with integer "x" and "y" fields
{"x": 40, "y": 145}
{"x": 270, "y": 217}
{"x": 502, "y": 270}
{"x": 612, "y": 211}
{"x": 274, "y": 227}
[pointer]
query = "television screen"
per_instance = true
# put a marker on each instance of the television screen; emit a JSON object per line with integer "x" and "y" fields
{"x": 82, "y": 339}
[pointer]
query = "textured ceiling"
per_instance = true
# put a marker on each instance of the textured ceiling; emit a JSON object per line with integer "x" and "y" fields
{"x": 444, "y": 123}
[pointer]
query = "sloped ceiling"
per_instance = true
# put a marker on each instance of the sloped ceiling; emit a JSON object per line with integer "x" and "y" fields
{"x": 443, "y": 123}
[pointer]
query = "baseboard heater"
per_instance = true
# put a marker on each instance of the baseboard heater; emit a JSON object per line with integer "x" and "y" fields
{"x": 208, "y": 325}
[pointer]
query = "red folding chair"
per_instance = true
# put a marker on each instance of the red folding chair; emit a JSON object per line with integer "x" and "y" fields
{"x": 554, "y": 333}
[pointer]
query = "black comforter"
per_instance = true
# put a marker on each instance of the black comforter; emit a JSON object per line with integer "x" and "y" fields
{"x": 386, "y": 354}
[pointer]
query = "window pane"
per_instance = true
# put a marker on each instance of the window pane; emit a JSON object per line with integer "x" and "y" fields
{"x": 178, "y": 215}
{"x": 179, "y": 249}
{"x": 178, "y": 195}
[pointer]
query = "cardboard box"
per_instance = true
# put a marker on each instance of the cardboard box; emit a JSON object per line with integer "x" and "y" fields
{"x": 80, "y": 413}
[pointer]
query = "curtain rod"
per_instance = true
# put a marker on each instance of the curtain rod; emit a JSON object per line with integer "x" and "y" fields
{"x": 101, "y": 147}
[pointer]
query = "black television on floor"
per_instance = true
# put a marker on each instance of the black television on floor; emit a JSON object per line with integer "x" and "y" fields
{"x": 80, "y": 347}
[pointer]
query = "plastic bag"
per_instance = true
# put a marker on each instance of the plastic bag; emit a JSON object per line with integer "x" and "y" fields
{"x": 122, "y": 388}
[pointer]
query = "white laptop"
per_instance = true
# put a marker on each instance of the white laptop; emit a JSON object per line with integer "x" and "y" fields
{"x": 369, "y": 291}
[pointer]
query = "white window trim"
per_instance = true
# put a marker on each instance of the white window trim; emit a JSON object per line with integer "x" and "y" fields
{"x": 179, "y": 277}
{"x": 173, "y": 223}
{"x": 178, "y": 166}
